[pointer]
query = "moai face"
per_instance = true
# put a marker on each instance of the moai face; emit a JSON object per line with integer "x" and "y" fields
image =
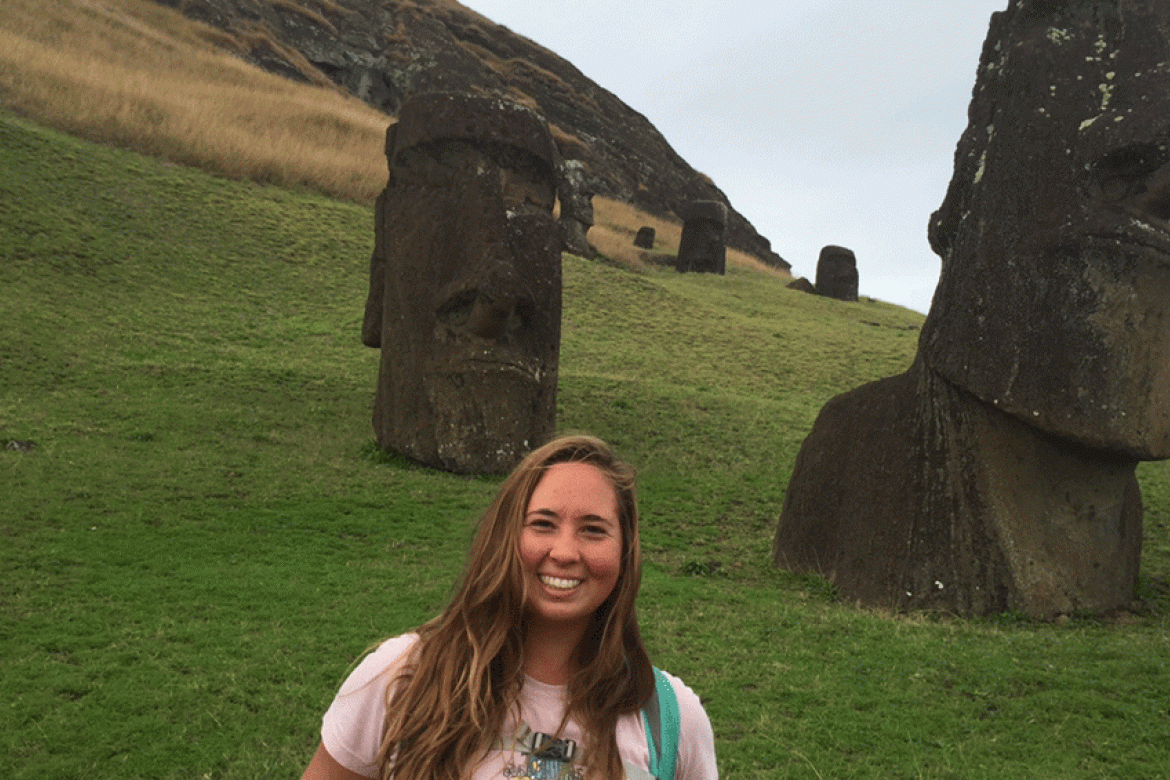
{"x": 472, "y": 301}
{"x": 1054, "y": 299}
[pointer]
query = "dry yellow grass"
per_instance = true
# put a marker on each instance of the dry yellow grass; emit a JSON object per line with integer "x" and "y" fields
{"x": 748, "y": 262}
{"x": 136, "y": 74}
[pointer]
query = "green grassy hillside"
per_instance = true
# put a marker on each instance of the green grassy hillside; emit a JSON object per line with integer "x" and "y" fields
{"x": 203, "y": 538}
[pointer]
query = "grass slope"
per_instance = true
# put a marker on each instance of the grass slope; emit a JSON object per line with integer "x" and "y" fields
{"x": 203, "y": 538}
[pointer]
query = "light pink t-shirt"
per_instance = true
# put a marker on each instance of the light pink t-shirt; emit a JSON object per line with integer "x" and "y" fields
{"x": 352, "y": 727}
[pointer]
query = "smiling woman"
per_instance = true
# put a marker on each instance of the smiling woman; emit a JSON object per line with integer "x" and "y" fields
{"x": 536, "y": 668}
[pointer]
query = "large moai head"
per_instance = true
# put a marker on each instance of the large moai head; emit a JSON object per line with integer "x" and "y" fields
{"x": 837, "y": 273}
{"x": 702, "y": 246}
{"x": 471, "y": 291}
{"x": 1053, "y": 303}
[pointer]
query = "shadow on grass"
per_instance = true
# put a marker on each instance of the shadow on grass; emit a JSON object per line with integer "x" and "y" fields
{"x": 372, "y": 453}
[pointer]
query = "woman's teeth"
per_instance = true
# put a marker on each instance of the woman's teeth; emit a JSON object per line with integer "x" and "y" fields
{"x": 558, "y": 583}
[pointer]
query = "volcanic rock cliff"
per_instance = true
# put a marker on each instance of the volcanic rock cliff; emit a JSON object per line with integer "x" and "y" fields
{"x": 384, "y": 50}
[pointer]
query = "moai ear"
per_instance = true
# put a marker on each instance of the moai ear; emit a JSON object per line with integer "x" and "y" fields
{"x": 372, "y": 319}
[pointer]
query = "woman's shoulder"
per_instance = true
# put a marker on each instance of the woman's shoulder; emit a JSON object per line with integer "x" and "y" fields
{"x": 687, "y": 698}
{"x": 351, "y": 729}
{"x": 696, "y": 748}
{"x": 395, "y": 647}
{"x": 386, "y": 657}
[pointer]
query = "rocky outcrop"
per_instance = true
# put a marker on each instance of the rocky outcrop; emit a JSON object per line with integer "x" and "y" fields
{"x": 383, "y": 51}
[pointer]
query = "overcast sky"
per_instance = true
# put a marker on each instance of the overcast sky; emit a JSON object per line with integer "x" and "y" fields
{"x": 824, "y": 121}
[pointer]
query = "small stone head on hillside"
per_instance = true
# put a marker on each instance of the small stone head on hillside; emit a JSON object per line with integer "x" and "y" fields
{"x": 1054, "y": 299}
{"x": 465, "y": 284}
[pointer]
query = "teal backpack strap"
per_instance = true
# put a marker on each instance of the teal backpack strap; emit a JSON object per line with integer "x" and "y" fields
{"x": 661, "y": 721}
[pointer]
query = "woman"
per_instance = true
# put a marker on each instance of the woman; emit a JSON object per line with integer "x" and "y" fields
{"x": 536, "y": 669}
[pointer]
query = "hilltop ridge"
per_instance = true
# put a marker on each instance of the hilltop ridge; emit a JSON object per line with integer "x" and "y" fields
{"x": 383, "y": 51}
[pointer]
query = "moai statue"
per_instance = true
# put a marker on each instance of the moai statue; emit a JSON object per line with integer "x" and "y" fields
{"x": 837, "y": 274}
{"x": 802, "y": 285}
{"x": 645, "y": 237}
{"x": 701, "y": 247}
{"x": 465, "y": 284}
{"x": 576, "y": 194}
{"x": 998, "y": 472}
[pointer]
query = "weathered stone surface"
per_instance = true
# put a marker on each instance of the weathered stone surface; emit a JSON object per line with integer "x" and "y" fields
{"x": 645, "y": 237}
{"x": 384, "y": 51}
{"x": 803, "y": 285}
{"x": 576, "y": 189}
{"x": 910, "y": 494}
{"x": 837, "y": 273}
{"x": 1062, "y": 198}
{"x": 465, "y": 284}
{"x": 998, "y": 473}
{"x": 574, "y": 235}
{"x": 701, "y": 247}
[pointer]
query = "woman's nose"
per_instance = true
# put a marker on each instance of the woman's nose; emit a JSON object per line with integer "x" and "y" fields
{"x": 564, "y": 547}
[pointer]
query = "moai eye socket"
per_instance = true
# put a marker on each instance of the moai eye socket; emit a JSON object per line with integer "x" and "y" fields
{"x": 456, "y": 310}
{"x": 1127, "y": 171}
{"x": 420, "y": 166}
{"x": 497, "y": 318}
{"x": 1136, "y": 179}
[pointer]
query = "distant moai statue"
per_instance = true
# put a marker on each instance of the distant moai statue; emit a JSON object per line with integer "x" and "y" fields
{"x": 702, "y": 248}
{"x": 837, "y": 273}
{"x": 997, "y": 473}
{"x": 576, "y": 195}
{"x": 645, "y": 237}
{"x": 465, "y": 284}
{"x": 802, "y": 285}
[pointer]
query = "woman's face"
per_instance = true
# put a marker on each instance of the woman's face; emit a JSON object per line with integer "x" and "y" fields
{"x": 570, "y": 545}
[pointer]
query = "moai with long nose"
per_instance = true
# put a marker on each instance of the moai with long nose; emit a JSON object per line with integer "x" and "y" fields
{"x": 465, "y": 284}
{"x": 998, "y": 472}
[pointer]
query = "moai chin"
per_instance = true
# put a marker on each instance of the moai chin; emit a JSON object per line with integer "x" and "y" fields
{"x": 701, "y": 247}
{"x": 837, "y": 273}
{"x": 465, "y": 284}
{"x": 998, "y": 472}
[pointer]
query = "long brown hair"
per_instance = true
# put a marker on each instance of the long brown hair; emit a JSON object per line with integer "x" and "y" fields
{"x": 449, "y": 705}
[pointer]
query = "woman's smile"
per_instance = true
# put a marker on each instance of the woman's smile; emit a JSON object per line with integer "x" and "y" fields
{"x": 559, "y": 583}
